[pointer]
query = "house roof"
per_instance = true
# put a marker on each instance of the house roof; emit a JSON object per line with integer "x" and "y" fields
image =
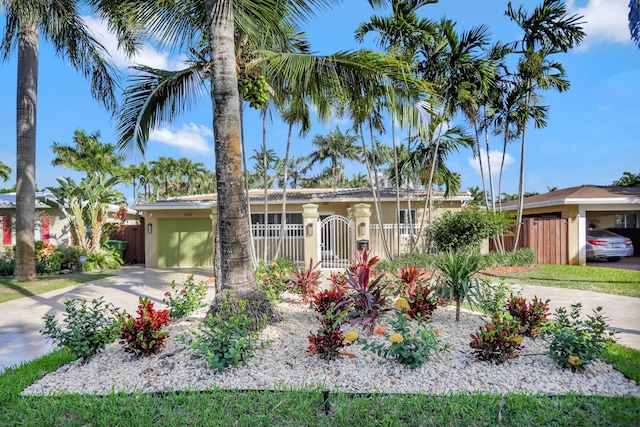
{"x": 582, "y": 195}
{"x": 298, "y": 195}
{"x": 8, "y": 201}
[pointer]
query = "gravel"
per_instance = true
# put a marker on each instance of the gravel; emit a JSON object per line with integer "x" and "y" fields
{"x": 285, "y": 363}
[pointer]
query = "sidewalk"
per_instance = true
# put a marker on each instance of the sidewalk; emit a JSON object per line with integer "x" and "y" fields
{"x": 21, "y": 319}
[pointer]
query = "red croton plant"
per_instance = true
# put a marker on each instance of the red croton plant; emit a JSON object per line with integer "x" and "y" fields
{"x": 143, "y": 335}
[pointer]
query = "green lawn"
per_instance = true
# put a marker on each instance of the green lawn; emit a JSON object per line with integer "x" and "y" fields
{"x": 10, "y": 289}
{"x": 596, "y": 279}
{"x": 299, "y": 407}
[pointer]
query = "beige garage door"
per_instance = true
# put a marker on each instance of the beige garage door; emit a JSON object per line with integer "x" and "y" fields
{"x": 185, "y": 242}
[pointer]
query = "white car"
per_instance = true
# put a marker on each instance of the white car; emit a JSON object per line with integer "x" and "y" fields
{"x": 603, "y": 244}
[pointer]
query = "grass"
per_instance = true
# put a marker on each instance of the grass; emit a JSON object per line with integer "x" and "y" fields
{"x": 11, "y": 290}
{"x": 300, "y": 407}
{"x": 596, "y": 279}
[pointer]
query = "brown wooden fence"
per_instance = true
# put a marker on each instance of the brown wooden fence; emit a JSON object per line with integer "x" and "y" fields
{"x": 134, "y": 235}
{"x": 547, "y": 237}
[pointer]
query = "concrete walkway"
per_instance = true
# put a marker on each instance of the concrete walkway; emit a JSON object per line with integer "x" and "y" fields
{"x": 21, "y": 319}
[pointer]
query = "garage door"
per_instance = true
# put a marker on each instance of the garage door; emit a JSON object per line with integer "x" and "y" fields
{"x": 185, "y": 242}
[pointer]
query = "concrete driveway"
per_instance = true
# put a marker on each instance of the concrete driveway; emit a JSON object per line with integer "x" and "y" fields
{"x": 21, "y": 319}
{"x": 626, "y": 263}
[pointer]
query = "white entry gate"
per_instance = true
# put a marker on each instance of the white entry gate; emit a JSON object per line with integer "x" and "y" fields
{"x": 336, "y": 242}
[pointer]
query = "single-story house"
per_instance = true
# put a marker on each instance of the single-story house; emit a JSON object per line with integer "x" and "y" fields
{"x": 322, "y": 224}
{"x": 51, "y": 225}
{"x": 587, "y": 206}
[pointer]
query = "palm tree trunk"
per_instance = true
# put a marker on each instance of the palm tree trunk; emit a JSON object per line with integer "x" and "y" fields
{"x": 395, "y": 169}
{"x": 235, "y": 234}
{"x": 254, "y": 262}
{"x": 266, "y": 190}
{"x": 486, "y": 144}
{"x": 283, "y": 218}
{"x": 27, "y": 92}
{"x": 521, "y": 184}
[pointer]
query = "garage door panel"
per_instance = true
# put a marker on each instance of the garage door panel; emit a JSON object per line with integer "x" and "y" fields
{"x": 185, "y": 242}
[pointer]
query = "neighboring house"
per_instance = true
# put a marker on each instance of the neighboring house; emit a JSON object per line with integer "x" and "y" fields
{"x": 51, "y": 225}
{"x": 587, "y": 206}
{"x": 322, "y": 224}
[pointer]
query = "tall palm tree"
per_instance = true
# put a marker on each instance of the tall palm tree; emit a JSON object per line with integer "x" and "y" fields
{"x": 87, "y": 154}
{"x": 60, "y": 23}
{"x": 548, "y": 30}
{"x": 634, "y": 20}
{"x": 335, "y": 147}
{"x": 5, "y": 171}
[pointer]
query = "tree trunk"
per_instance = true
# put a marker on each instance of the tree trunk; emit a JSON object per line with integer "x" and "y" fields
{"x": 26, "y": 99}
{"x": 283, "y": 218}
{"x": 236, "y": 270}
{"x": 521, "y": 184}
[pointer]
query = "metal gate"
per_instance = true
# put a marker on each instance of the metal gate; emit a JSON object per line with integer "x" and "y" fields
{"x": 336, "y": 242}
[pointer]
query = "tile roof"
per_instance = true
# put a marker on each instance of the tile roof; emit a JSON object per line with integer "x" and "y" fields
{"x": 308, "y": 195}
{"x": 582, "y": 194}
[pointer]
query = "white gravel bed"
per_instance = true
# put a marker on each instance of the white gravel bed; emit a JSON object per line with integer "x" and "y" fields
{"x": 285, "y": 363}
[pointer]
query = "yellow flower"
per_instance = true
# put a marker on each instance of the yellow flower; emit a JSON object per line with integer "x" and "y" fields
{"x": 396, "y": 337}
{"x": 574, "y": 360}
{"x": 518, "y": 339}
{"x": 351, "y": 336}
{"x": 402, "y": 303}
{"x": 274, "y": 264}
{"x": 437, "y": 331}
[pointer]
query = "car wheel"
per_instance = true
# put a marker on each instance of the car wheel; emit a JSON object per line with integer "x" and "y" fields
{"x": 614, "y": 258}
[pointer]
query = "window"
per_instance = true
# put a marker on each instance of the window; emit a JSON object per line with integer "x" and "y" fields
{"x": 405, "y": 225}
{"x": 274, "y": 224}
{"x": 627, "y": 221}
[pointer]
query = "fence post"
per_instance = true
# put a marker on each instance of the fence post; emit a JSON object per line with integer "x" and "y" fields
{"x": 311, "y": 233}
{"x": 362, "y": 219}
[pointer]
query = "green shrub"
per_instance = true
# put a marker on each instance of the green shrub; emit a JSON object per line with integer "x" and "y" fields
{"x": 102, "y": 259}
{"x": 519, "y": 258}
{"x": 423, "y": 261}
{"x": 491, "y": 298}
{"x": 457, "y": 282}
{"x": 272, "y": 278}
{"x": 408, "y": 348}
{"x": 575, "y": 343}
{"x": 6, "y": 268}
{"x": 184, "y": 301}
{"x": 498, "y": 340}
{"x": 88, "y": 326}
{"x": 226, "y": 338}
{"x": 465, "y": 230}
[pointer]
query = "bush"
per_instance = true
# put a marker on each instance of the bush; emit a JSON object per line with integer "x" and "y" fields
{"x": 329, "y": 339}
{"x": 498, "y": 340}
{"x": 322, "y": 301}
{"x": 465, "y": 230}
{"x": 47, "y": 258}
{"x": 491, "y": 298}
{"x": 225, "y": 339}
{"x": 531, "y": 316}
{"x": 102, "y": 259}
{"x": 416, "y": 290}
{"x": 423, "y": 261}
{"x": 405, "y": 347}
{"x": 7, "y": 268}
{"x": 519, "y": 258}
{"x": 89, "y": 326}
{"x": 272, "y": 278}
{"x": 456, "y": 283}
{"x": 143, "y": 335}
{"x": 575, "y": 343}
{"x": 184, "y": 301}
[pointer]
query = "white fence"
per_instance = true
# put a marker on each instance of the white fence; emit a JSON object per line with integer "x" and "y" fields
{"x": 266, "y": 237}
{"x": 399, "y": 239}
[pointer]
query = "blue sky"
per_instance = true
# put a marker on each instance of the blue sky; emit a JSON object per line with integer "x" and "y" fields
{"x": 592, "y": 137}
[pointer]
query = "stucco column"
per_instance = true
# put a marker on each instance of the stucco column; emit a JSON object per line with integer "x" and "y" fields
{"x": 151, "y": 241}
{"x": 361, "y": 215}
{"x": 310, "y": 219}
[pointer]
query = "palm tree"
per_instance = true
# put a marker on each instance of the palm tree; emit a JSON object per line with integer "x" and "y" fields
{"x": 88, "y": 155}
{"x": 335, "y": 147}
{"x": 61, "y": 24}
{"x": 215, "y": 25}
{"x": 5, "y": 171}
{"x": 547, "y": 30}
{"x": 634, "y": 20}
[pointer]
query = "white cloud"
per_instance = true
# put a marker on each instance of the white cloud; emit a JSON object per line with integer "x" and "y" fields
{"x": 605, "y": 21}
{"x": 496, "y": 159}
{"x": 147, "y": 55}
{"x": 190, "y": 139}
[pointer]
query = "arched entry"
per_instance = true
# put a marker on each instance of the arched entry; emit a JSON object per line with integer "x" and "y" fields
{"x": 336, "y": 242}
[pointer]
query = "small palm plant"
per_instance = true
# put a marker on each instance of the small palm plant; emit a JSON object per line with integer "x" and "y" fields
{"x": 306, "y": 281}
{"x": 457, "y": 281}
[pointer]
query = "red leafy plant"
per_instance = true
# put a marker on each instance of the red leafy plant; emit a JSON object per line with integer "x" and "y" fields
{"x": 329, "y": 339}
{"x": 367, "y": 299}
{"x": 305, "y": 281}
{"x": 415, "y": 289}
{"x": 323, "y": 300}
{"x": 143, "y": 335}
{"x": 531, "y": 316}
{"x": 498, "y": 340}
